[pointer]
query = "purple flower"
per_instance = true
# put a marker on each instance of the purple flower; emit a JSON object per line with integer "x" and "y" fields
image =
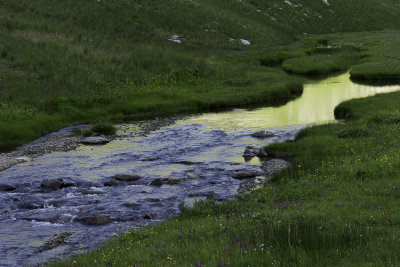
{"x": 228, "y": 215}
{"x": 197, "y": 264}
{"x": 341, "y": 206}
{"x": 180, "y": 236}
{"x": 225, "y": 229}
{"x": 249, "y": 214}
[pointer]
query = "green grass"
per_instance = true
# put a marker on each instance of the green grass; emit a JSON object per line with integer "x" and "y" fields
{"x": 315, "y": 65}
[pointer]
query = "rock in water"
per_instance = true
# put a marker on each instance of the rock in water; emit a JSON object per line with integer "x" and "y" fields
{"x": 147, "y": 216}
{"x": 32, "y": 203}
{"x": 250, "y": 152}
{"x": 245, "y": 175}
{"x": 126, "y": 177}
{"x": 172, "y": 181}
{"x": 55, "y": 241}
{"x": 262, "y": 134}
{"x": 95, "y": 140}
{"x": 95, "y": 220}
{"x": 262, "y": 153}
{"x": 55, "y": 184}
{"x": 191, "y": 175}
{"x": 7, "y": 187}
{"x": 156, "y": 182}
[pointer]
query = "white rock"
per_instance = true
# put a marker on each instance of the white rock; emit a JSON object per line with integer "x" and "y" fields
{"x": 245, "y": 42}
{"x": 288, "y": 2}
{"x": 23, "y": 159}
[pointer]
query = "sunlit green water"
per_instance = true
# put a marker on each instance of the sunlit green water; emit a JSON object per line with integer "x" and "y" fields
{"x": 316, "y": 105}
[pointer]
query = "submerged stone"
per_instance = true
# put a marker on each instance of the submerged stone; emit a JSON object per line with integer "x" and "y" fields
{"x": 7, "y": 187}
{"x": 55, "y": 184}
{"x": 262, "y": 134}
{"x": 244, "y": 175}
{"x": 147, "y": 216}
{"x": 95, "y": 140}
{"x": 172, "y": 181}
{"x": 156, "y": 182}
{"x": 31, "y": 204}
{"x": 95, "y": 220}
{"x": 55, "y": 241}
{"x": 126, "y": 177}
{"x": 187, "y": 162}
{"x": 191, "y": 175}
{"x": 131, "y": 205}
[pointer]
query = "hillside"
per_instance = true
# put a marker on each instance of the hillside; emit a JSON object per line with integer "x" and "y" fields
{"x": 68, "y": 62}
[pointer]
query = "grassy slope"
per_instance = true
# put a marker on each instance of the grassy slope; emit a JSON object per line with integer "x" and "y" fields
{"x": 66, "y": 62}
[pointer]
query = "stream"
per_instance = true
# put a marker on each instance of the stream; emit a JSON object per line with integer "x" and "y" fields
{"x": 200, "y": 153}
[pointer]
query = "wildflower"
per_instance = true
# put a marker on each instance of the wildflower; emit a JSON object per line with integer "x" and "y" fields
{"x": 197, "y": 264}
{"x": 180, "y": 236}
{"x": 225, "y": 229}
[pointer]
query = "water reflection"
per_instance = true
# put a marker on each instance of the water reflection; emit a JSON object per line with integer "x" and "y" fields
{"x": 316, "y": 105}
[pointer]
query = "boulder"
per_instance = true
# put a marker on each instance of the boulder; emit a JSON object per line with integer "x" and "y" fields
{"x": 262, "y": 134}
{"x": 55, "y": 184}
{"x": 95, "y": 140}
{"x": 244, "y": 175}
{"x": 7, "y": 187}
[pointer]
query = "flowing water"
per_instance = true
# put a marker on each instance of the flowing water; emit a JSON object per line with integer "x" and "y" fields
{"x": 202, "y": 151}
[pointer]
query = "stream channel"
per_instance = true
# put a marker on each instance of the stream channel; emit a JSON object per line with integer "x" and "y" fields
{"x": 203, "y": 151}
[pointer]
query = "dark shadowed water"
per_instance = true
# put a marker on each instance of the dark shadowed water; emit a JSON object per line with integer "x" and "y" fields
{"x": 202, "y": 151}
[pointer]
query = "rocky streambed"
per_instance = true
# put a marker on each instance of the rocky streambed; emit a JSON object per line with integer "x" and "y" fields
{"x": 62, "y": 194}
